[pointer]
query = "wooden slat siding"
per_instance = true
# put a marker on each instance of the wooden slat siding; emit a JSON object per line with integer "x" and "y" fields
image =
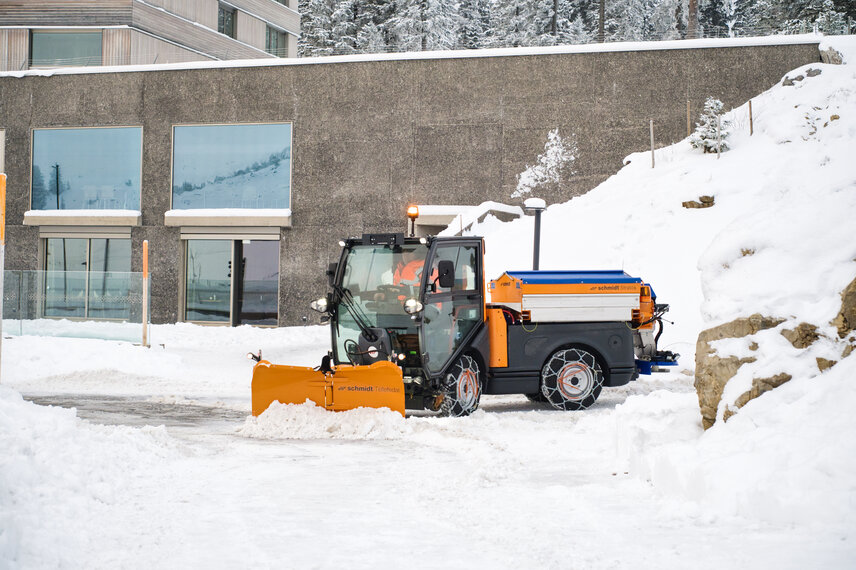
{"x": 201, "y": 11}
{"x": 14, "y": 49}
{"x": 65, "y": 13}
{"x": 251, "y": 30}
{"x": 172, "y": 28}
{"x": 116, "y": 46}
{"x": 146, "y": 49}
{"x": 286, "y": 18}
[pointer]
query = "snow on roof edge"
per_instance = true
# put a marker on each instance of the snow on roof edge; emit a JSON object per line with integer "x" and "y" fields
{"x": 612, "y": 47}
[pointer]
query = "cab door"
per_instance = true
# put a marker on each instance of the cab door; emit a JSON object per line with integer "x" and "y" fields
{"x": 451, "y": 315}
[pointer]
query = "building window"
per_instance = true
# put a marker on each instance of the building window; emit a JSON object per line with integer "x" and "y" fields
{"x": 232, "y": 281}
{"x": 231, "y": 166}
{"x": 87, "y": 169}
{"x": 56, "y": 48}
{"x": 87, "y": 278}
{"x": 276, "y": 42}
{"x": 226, "y": 20}
{"x": 283, "y": 2}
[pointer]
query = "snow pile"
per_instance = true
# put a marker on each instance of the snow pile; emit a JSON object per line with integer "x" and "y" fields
{"x": 778, "y": 241}
{"x": 784, "y": 458}
{"x": 50, "y": 476}
{"x": 184, "y": 360}
{"x": 308, "y": 421}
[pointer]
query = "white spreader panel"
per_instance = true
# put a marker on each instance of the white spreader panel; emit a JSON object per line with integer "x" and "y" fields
{"x": 572, "y": 308}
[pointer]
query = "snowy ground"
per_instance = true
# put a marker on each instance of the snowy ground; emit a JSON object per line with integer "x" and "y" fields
{"x": 160, "y": 465}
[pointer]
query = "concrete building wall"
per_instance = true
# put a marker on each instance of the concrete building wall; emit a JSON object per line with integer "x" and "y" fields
{"x": 371, "y": 136}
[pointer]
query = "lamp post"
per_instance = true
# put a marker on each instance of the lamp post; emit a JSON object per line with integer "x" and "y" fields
{"x": 535, "y": 206}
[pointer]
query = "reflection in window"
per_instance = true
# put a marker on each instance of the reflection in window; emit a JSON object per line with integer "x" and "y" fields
{"x": 226, "y": 20}
{"x": 208, "y": 278}
{"x": 231, "y": 166}
{"x": 85, "y": 169}
{"x": 276, "y": 42}
{"x": 87, "y": 278}
{"x": 54, "y": 49}
{"x": 220, "y": 289}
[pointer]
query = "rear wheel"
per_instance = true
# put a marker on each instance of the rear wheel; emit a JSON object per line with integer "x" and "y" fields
{"x": 461, "y": 388}
{"x": 571, "y": 379}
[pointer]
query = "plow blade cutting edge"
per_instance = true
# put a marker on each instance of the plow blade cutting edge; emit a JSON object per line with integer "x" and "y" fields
{"x": 378, "y": 385}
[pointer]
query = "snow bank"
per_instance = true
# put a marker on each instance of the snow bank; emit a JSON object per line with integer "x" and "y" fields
{"x": 784, "y": 459}
{"x": 184, "y": 360}
{"x": 58, "y": 473}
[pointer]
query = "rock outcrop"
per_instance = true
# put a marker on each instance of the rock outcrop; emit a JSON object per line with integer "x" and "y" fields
{"x": 845, "y": 322}
{"x": 712, "y": 371}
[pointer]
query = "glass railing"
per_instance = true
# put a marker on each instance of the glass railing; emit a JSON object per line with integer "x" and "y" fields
{"x": 85, "y": 304}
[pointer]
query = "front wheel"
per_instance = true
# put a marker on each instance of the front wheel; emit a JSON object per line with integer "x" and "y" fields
{"x": 461, "y": 388}
{"x": 571, "y": 379}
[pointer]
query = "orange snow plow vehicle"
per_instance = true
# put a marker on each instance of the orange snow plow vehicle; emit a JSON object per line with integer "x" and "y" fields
{"x": 412, "y": 328}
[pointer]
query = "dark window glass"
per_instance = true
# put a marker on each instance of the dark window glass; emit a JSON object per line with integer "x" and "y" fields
{"x": 231, "y": 166}
{"x": 87, "y": 278}
{"x": 226, "y": 20}
{"x": 54, "y": 49}
{"x": 259, "y": 284}
{"x": 87, "y": 169}
{"x": 208, "y": 280}
{"x": 276, "y": 42}
{"x": 283, "y": 2}
{"x": 233, "y": 282}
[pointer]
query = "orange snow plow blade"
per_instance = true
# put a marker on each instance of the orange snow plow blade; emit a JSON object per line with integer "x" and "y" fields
{"x": 378, "y": 385}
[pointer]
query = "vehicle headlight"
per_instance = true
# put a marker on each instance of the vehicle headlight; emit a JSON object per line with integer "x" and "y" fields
{"x": 412, "y": 306}
{"x": 319, "y": 305}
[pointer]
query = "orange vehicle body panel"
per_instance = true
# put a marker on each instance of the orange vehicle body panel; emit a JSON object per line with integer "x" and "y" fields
{"x": 378, "y": 385}
{"x": 498, "y": 336}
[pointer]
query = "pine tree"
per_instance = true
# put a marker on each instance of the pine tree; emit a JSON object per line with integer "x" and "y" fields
{"x": 625, "y": 21}
{"x": 557, "y": 159}
{"x": 344, "y": 32}
{"x": 705, "y": 135}
{"x": 713, "y": 17}
{"x": 315, "y": 28}
{"x": 473, "y": 24}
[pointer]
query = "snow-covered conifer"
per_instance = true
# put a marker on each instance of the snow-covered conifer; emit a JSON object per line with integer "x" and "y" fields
{"x": 557, "y": 159}
{"x": 705, "y": 135}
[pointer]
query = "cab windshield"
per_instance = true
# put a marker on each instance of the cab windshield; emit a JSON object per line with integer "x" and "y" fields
{"x": 379, "y": 279}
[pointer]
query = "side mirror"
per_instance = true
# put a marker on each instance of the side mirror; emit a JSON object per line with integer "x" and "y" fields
{"x": 446, "y": 274}
{"x": 331, "y": 273}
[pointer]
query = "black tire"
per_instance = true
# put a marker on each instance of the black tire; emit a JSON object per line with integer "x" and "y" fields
{"x": 461, "y": 388}
{"x": 571, "y": 379}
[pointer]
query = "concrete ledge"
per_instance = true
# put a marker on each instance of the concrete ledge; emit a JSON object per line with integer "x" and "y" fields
{"x": 82, "y": 218}
{"x": 229, "y": 217}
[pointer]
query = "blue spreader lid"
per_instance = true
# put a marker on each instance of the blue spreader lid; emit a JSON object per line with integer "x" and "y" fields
{"x": 558, "y": 277}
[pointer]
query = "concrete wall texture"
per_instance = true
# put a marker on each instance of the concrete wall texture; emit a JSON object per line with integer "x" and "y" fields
{"x": 369, "y": 137}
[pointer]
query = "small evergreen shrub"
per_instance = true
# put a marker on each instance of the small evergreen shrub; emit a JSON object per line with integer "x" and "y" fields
{"x": 704, "y": 136}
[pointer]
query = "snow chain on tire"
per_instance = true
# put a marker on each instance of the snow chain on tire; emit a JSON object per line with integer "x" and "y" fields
{"x": 571, "y": 379}
{"x": 461, "y": 388}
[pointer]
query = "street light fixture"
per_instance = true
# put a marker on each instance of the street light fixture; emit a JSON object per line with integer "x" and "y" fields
{"x": 535, "y": 206}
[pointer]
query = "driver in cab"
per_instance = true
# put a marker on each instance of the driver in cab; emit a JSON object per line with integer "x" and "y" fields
{"x": 406, "y": 277}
